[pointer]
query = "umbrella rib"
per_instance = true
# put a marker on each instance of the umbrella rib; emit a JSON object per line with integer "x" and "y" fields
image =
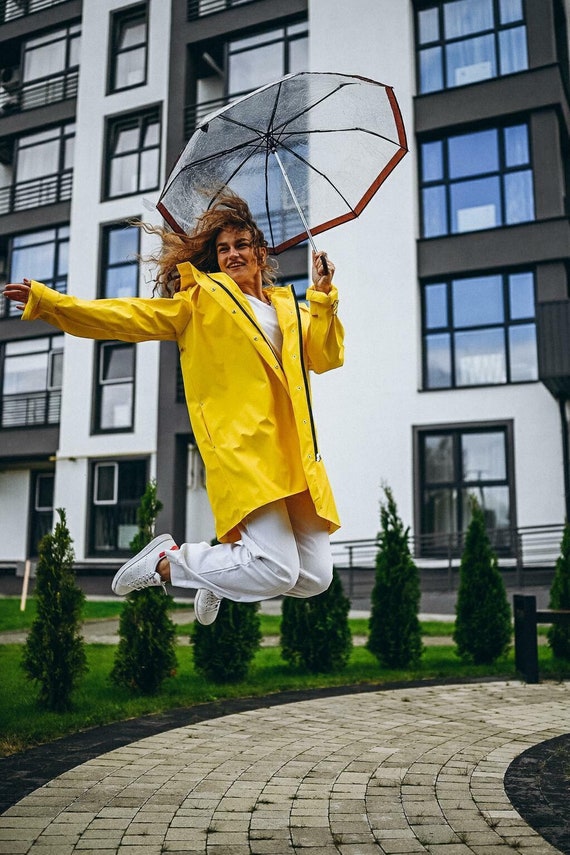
{"x": 312, "y": 106}
{"x": 318, "y": 172}
{"x": 313, "y": 131}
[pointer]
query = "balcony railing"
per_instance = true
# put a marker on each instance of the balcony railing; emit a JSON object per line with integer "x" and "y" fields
{"x": 38, "y": 93}
{"x": 201, "y": 8}
{"x": 35, "y": 193}
{"x": 195, "y": 113}
{"x": 32, "y": 409}
{"x": 12, "y": 9}
{"x": 529, "y": 546}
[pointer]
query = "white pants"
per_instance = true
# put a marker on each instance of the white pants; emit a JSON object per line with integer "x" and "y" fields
{"x": 284, "y": 549}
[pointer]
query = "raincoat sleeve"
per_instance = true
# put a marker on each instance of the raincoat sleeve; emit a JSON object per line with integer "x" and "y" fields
{"x": 125, "y": 319}
{"x": 324, "y": 339}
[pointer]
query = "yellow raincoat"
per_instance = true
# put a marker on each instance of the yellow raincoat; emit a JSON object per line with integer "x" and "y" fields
{"x": 250, "y": 410}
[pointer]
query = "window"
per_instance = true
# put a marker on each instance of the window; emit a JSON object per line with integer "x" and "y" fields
{"x": 133, "y": 154}
{"x": 455, "y": 464}
{"x": 263, "y": 58}
{"x": 129, "y": 39}
{"x": 479, "y": 330}
{"x": 117, "y": 488}
{"x": 480, "y": 180}
{"x": 115, "y": 386}
{"x": 31, "y": 382}
{"x": 50, "y": 67}
{"x": 464, "y": 41}
{"x": 42, "y": 255}
{"x": 120, "y": 266}
{"x": 43, "y": 170}
{"x": 41, "y": 517}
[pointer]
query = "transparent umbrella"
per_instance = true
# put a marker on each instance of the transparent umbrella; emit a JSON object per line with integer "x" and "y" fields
{"x": 307, "y": 153}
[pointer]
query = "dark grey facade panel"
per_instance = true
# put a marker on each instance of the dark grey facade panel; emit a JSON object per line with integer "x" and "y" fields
{"x": 28, "y": 444}
{"x": 553, "y": 328}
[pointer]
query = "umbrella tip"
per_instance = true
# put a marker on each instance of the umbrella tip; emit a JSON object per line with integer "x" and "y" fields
{"x": 205, "y": 127}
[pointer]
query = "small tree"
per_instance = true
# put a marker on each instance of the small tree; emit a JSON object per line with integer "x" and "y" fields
{"x": 146, "y": 654}
{"x": 483, "y": 627}
{"x": 395, "y": 633}
{"x": 559, "y": 634}
{"x": 315, "y": 633}
{"x": 54, "y": 654}
{"x": 224, "y": 650}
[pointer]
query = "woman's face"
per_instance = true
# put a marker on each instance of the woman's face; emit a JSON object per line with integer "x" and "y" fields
{"x": 238, "y": 257}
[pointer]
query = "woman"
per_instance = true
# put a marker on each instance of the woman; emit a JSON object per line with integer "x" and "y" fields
{"x": 245, "y": 349}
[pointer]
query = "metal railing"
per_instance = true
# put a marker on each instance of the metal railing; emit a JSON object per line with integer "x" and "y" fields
{"x": 46, "y": 190}
{"x": 18, "y": 98}
{"x": 517, "y": 549}
{"x": 12, "y": 9}
{"x": 200, "y": 8}
{"x": 31, "y": 409}
{"x": 194, "y": 113}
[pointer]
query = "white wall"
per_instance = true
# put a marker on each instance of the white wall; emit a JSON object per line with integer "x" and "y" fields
{"x": 15, "y": 505}
{"x": 366, "y": 411}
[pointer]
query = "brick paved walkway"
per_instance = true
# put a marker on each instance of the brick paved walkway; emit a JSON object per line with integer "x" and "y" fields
{"x": 401, "y": 771}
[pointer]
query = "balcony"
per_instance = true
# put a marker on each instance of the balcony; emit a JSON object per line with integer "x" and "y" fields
{"x": 31, "y": 409}
{"x": 201, "y": 8}
{"x": 17, "y": 98}
{"x": 10, "y": 10}
{"x": 47, "y": 190}
{"x": 553, "y": 335}
{"x": 195, "y": 114}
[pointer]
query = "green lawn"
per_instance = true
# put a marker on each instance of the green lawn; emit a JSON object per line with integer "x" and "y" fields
{"x": 98, "y": 701}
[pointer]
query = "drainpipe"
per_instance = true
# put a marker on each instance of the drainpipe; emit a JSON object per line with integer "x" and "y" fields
{"x": 565, "y": 454}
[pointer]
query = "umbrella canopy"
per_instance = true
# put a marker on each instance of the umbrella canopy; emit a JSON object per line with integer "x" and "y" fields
{"x": 307, "y": 153}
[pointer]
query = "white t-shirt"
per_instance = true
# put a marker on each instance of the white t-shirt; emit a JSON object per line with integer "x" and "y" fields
{"x": 267, "y": 317}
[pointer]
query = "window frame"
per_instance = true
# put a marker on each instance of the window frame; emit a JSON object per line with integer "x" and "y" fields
{"x": 138, "y": 119}
{"x": 447, "y": 183}
{"x": 100, "y": 383}
{"x": 106, "y": 230}
{"x": 48, "y": 396}
{"x": 451, "y": 329}
{"x": 117, "y": 19}
{"x": 111, "y": 511}
{"x": 452, "y": 543}
{"x": 60, "y": 238}
{"x": 442, "y": 43}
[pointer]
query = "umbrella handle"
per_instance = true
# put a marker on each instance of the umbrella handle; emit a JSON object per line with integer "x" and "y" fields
{"x": 299, "y": 210}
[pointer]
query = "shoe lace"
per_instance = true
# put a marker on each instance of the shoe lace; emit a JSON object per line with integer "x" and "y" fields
{"x": 144, "y": 581}
{"x": 211, "y": 601}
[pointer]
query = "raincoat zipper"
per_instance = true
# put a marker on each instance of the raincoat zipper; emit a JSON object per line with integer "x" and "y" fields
{"x": 305, "y": 377}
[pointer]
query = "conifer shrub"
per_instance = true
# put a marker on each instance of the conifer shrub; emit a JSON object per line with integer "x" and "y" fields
{"x": 395, "y": 636}
{"x": 146, "y": 653}
{"x": 224, "y": 650}
{"x": 54, "y": 654}
{"x": 559, "y": 634}
{"x": 483, "y": 628}
{"x": 315, "y": 633}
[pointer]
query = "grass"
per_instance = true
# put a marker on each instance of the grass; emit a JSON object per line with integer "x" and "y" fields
{"x": 98, "y": 701}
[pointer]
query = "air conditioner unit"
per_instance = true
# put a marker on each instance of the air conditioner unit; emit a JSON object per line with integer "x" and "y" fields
{"x": 10, "y": 79}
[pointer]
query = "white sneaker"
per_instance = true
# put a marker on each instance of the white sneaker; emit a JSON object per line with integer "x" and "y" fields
{"x": 140, "y": 571}
{"x": 206, "y": 606}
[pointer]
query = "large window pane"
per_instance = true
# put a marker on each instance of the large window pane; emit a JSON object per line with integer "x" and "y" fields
{"x": 467, "y": 16}
{"x": 470, "y": 61}
{"x": 473, "y": 154}
{"x": 116, "y": 407}
{"x": 483, "y": 456}
{"x": 478, "y": 301}
{"x": 480, "y": 357}
{"x": 521, "y": 295}
{"x": 439, "y": 464}
{"x": 475, "y": 205}
{"x": 513, "y": 50}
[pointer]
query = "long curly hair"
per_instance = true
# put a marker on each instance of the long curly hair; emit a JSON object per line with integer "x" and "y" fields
{"x": 229, "y": 211}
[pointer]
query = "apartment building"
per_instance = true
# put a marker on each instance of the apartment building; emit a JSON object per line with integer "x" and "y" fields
{"x": 453, "y": 281}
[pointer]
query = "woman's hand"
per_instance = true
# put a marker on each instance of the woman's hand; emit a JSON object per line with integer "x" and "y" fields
{"x": 322, "y": 281}
{"x": 18, "y": 292}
